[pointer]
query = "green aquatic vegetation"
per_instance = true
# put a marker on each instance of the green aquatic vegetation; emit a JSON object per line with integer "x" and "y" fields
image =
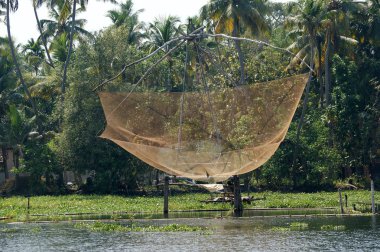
{"x": 333, "y": 227}
{"x": 8, "y": 230}
{"x": 58, "y": 208}
{"x": 280, "y": 229}
{"x": 299, "y": 226}
{"x": 133, "y": 227}
{"x": 294, "y": 226}
{"x": 36, "y": 230}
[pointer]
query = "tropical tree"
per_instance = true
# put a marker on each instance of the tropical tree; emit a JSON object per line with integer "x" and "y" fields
{"x": 36, "y": 4}
{"x": 162, "y": 30}
{"x": 231, "y": 16}
{"x": 56, "y": 26}
{"x": 12, "y": 5}
{"x": 67, "y": 5}
{"x": 125, "y": 16}
{"x": 34, "y": 54}
{"x": 306, "y": 22}
{"x": 307, "y": 32}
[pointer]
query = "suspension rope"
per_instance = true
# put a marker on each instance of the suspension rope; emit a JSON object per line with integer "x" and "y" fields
{"x": 184, "y": 80}
{"x": 207, "y": 91}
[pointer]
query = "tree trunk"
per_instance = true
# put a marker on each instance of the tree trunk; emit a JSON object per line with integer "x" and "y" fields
{"x": 18, "y": 71}
{"x": 63, "y": 87}
{"x": 304, "y": 107}
{"x": 320, "y": 75}
{"x": 328, "y": 84}
{"x": 5, "y": 164}
{"x": 239, "y": 51}
{"x": 327, "y": 70}
{"x": 50, "y": 62}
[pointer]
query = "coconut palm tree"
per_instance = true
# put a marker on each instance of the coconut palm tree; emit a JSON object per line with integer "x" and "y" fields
{"x": 37, "y": 4}
{"x": 231, "y": 16}
{"x": 307, "y": 31}
{"x": 12, "y": 5}
{"x": 67, "y": 4}
{"x": 125, "y": 16}
{"x": 34, "y": 53}
{"x": 54, "y": 27}
{"x": 162, "y": 30}
{"x": 336, "y": 25}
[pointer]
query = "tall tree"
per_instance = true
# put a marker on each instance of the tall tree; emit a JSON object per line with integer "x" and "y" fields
{"x": 231, "y": 16}
{"x": 36, "y": 4}
{"x": 306, "y": 30}
{"x": 13, "y": 5}
{"x": 73, "y": 3}
{"x": 129, "y": 18}
{"x": 161, "y": 31}
{"x": 307, "y": 22}
{"x": 34, "y": 54}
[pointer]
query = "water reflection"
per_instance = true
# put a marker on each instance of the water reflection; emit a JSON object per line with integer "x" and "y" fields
{"x": 360, "y": 233}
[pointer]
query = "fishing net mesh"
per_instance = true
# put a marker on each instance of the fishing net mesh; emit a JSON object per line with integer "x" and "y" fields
{"x": 204, "y": 135}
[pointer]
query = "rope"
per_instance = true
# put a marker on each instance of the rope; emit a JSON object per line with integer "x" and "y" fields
{"x": 183, "y": 97}
{"x": 207, "y": 91}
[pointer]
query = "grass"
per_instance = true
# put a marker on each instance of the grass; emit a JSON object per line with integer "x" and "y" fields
{"x": 117, "y": 227}
{"x": 333, "y": 228}
{"x": 294, "y": 226}
{"x": 16, "y": 207}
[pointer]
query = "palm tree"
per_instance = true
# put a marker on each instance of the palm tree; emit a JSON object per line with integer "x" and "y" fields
{"x": 125, "y": 14}
{"x": 306, "y": 25}
{"x": 126, "y": 17}
{"x": 59, "y": 47}
{"x": 307, "y": 31}
{"x": 13, "y": 5}
{"x": 162, "y": 30}
{"x": 56, "y": 26}
{"x": 73, "y": 3}
{"x": 36, "y": 4}
{"x": 231, "y": 16}
{"x": 336, "y": 24}
{"x": 34, "y": 53}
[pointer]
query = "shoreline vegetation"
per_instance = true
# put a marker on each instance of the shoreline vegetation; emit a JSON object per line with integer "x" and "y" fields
{"x": 65, "y": 207}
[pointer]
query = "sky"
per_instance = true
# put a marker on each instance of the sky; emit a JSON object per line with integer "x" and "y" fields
{"x": 23, "y": 24}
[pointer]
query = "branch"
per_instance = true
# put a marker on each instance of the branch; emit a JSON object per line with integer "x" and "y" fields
{"x": 147, "y": 72}
{"x": 147, "y": 57}
{"x": 257, "y": 42}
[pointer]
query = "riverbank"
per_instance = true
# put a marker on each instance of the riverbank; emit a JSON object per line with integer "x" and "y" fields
{"x": 16, "y": 208}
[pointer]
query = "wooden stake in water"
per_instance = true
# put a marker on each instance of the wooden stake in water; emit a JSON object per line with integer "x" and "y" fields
{"x": 238, "y": 206}
{"x": 373, "y": 196}
{"x": 346, "y": 200}
{"x": 166, "y": 195}
{"x": 341, "y": 201}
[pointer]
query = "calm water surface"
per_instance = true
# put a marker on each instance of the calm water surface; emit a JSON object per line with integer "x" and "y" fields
{"x": 360, "y": 233}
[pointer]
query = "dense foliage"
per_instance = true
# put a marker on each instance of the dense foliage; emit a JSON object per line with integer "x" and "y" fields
{"x": 334, "y": 138}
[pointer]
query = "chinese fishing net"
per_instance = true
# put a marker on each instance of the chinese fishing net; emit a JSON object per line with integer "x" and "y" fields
{"x": 210, "y": 129}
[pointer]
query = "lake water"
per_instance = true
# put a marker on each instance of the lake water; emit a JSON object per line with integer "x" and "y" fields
{"x": 270, "y": 233}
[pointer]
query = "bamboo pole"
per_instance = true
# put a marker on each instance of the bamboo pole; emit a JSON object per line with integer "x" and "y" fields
{"x": 373, "y": 196}
{"x": 238, "y": 206}
{"x": 341, "y": 201}
{"x": 166, "y": 195}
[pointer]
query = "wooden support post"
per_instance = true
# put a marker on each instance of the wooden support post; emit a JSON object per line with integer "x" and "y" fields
{"x": 28, "y": 202}
{"x": 166, "y": 195}
{"x": 373, "y": 196}
{"x": 238, "y": 206}
{"x": 341, "y": 201}
{"x": 346, "y": 200}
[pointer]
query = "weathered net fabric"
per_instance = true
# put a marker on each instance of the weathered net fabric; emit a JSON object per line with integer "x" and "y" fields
{"x": 204, "y": 135}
